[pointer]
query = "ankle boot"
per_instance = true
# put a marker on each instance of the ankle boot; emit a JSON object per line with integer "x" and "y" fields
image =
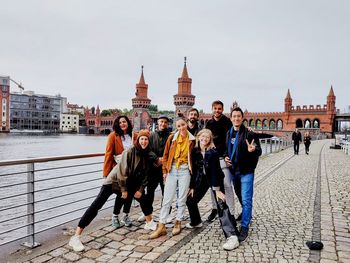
{"x": 160, "y": 231}
{"x": 177, "y": 228}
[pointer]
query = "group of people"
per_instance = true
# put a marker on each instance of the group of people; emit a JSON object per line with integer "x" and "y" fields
{"x": 220, "y": 157}
{"x": 296, "y": 137}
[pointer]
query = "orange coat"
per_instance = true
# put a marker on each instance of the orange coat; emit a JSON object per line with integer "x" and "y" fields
{"x": 114, "y": 147}
{"x": 169, "y": 151}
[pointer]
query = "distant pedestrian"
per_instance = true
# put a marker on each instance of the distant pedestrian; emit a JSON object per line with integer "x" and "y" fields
{"x": 207, "y": 174}
{"x": 177, "y": 168}
{"x": 122, "y": 138}
{"x": 243, "y": 151}
{"x": 296, "y": 137}
{"x": 128, "y": 178}
{"x": 307, "y": 142}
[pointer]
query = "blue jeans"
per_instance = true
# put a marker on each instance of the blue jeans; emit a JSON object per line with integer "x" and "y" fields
{"x": 247, "y": 186}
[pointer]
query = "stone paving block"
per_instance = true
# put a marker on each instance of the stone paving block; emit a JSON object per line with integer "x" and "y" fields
{"x": 143, "y": 249}
{"x": 71, "y": 256}
{"x": 115, "y": 245}
{"x": 86, "y": 260}
{"x": 127, "y": 247}
{"x": 93, "y": 253}
{"x": 136, "y": 254}
{"x": 151, "y": 256}
{"x": 117, "y": 260}
{"x": 115, "y": 237}
{"x": 109, "y": 251}
{"x": 41, "y": 259}
{"x": 141, "y": 242}
{"x": 95, "y": 245}
{"x": 58, "y": 252}
{"x": 57, "y": 260}
{"x": 128, "y": 241}
{"x": 98, "y": 233}
{"x": 103, "y": 240}
{"x": 86, "y": 238}
{"x": 121, "y": 231}
{"x": 104, "y": 258}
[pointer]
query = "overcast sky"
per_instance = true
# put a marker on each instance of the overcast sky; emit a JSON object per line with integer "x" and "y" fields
{"x": 251, "y": 51}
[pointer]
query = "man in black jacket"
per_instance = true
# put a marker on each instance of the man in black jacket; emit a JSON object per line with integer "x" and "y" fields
{"x": 219, "y": 124}
{"x": 243, "y": 151}
{"x": 296, "y": 137}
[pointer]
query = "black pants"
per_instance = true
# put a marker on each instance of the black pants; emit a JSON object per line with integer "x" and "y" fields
{"x": 307, "y": 147}
{"x": 155, "y": 178}
{"x": 296, "y": 147}
{"x": 227, "y": 221}
{"x": 125, "y": 203}
{"x": 105, "y": 192}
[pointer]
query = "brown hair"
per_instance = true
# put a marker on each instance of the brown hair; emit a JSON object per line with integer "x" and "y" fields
{"x": 217, "y": 102}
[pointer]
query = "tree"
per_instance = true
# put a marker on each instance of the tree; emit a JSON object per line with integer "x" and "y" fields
{"x": 153, "y": 108}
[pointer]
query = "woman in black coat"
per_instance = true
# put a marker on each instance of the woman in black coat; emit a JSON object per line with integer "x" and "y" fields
{"x": 208, "y": 174}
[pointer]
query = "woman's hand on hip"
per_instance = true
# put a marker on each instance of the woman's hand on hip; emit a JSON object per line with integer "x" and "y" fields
{"x": 164, "y": 177}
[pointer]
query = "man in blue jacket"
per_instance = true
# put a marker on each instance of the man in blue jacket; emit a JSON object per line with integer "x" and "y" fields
{"x": 243, "y": 151}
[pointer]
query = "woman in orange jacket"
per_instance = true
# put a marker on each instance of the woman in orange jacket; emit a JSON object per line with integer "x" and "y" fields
{"x": 177, "y": 168}
{"x": 122, "y": 138}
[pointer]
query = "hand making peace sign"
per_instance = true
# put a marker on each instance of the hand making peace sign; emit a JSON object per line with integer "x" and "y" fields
{"x": 251, "y": 146}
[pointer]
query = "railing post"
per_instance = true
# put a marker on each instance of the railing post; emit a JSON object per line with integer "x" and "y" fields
{"x": 266, "y": 147}
{"x": 270, "y": 145}
{"x": 30, "y": 208}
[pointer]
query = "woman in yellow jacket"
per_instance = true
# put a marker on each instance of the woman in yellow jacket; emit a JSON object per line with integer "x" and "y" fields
{"x": 177, "y": 165}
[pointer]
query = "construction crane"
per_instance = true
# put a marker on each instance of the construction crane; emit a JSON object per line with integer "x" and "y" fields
{"x": 19, "y": 85}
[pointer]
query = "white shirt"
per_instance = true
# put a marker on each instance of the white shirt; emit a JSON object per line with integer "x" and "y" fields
{"x": 127, "y": 142}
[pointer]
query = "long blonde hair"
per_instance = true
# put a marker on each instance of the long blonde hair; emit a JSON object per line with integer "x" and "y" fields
{"x": 211, "y": 140}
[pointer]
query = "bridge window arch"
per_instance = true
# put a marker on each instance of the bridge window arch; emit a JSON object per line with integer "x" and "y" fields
{"x": 279, "y": 125}
{"x": 299, "y": 123}
{"x": 265, "y": 124}
{"x": 307, "y": 124}
{"x": 251, "y": 123}
{"x": 316, "y": 123}
{"x": 272, "y": 124}
{"x": 258, "y": 124}
{"x": 245, "y": 122}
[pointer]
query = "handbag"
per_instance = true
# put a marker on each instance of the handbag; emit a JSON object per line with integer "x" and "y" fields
{"x": 227, "y": 221}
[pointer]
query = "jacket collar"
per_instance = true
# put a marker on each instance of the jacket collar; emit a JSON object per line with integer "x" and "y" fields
{"x": 190, "y": 136}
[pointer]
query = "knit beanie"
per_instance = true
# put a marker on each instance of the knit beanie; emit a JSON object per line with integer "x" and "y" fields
{"x": 139, "y": 134}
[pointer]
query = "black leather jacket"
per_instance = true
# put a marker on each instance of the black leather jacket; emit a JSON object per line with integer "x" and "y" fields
{"x": 213, "y": 173}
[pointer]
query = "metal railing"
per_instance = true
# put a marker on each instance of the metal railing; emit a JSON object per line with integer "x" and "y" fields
{"x": 36, "y": 196}
{"x": 345, "y": 146}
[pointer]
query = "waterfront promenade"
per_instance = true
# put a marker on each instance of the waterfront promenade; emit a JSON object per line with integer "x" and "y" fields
{"x": 297, "y": 198}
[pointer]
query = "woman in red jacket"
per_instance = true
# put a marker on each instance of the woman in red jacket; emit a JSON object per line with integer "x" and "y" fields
{"x": 122, "y": 138}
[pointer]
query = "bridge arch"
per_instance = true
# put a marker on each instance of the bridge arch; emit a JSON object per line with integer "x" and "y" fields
{"x": 272, "y": 125}
{"x": 299, "y": 123}
{"x": 265, "y": 124}
{"x": 316, "y": 123}
{"x": 307, "y": 124}
{"x": 258, "y": 124}
{"x": 279, "y": 124}
{"x": 245, "y": 122}
{"x": 251, "y": 123}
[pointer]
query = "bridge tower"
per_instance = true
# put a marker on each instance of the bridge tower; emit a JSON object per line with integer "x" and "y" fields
{"x": 184, "y": 100}
{"x": 140, "y": 105}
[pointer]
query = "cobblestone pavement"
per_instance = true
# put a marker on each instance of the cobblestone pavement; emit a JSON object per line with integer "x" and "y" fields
{"x": 297, "y": 198}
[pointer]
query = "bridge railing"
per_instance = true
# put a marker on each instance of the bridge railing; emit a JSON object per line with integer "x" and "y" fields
{"x": 345, "y": 146}
{"x": 39, "y": 194}
{"x": 274, "y": 144}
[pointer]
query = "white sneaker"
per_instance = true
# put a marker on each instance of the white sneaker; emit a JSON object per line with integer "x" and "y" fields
{"x": 141, "y": 218}
{"x": 169, "y": 219}
{"x": 76, "y": 244}
{"x": 231, "y": 243}
{"x": 150, "y": 225}
{"x": 188, "y": 225}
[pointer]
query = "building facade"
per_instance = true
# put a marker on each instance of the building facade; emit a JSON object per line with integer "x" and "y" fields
{"x": 5, "y": 103}
{"x": 69, "y": 122}
{"x": 30, "y": 111}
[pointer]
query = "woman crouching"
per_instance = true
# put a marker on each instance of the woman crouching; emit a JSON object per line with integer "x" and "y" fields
{"x": 208, "y": 174}
{"x": 128, "y": 177}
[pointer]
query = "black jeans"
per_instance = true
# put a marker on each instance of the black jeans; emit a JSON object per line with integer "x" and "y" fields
{"x": 105, "y": 192}
{"x": 125, "y": 203}
{"x": 307, "y": 147}
{"x": 155, "y": 178}
{"x": 296, "y": 147}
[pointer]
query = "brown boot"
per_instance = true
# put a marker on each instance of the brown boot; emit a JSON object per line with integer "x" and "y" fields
{"x": 160, "y": 231}
{"x": 177, "y": 228}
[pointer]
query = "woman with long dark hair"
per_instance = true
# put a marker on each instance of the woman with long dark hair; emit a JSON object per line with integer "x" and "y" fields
{"x": 122, "y": 138}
